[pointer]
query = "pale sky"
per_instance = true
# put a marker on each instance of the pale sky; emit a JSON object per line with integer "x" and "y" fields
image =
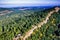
{"x": 11, "y": 3}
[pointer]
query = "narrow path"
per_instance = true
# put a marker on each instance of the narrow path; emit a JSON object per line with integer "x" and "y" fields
{"x": 39, "y": 24}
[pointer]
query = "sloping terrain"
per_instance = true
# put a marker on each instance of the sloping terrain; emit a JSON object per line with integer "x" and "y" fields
{"x": 48, "y": 31}
{"x": 20, "y": 21}
{"x": 39, "y": 24}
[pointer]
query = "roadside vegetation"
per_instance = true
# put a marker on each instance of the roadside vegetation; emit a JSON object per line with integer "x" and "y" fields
{"x": 49, "y": 31}
{"x": 18, "y": 23}
{"x": 15, "y": 24}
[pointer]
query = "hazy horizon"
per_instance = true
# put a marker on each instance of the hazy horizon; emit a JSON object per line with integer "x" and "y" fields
{"x": 19, "y": 3}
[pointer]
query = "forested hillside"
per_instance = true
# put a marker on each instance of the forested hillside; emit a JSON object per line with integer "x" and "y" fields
{"x": 20, "y": 21}
{"x": 49, "y": 31}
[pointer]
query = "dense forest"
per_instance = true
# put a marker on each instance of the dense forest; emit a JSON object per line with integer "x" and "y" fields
{"x": 20, "y": 21}
{"x": 49, "y": 31}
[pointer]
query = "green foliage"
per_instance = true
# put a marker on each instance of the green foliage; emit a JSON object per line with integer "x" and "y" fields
{"x": 47, "y": 31}
{"x": 19, "y": 22}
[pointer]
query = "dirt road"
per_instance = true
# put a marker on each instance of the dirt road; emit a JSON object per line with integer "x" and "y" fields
{"x": 39, "y": 24}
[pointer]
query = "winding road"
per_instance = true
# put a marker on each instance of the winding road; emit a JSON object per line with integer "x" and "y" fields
{"x": 38, "y": 26}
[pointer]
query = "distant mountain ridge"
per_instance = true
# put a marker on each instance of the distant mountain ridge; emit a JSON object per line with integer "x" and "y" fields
{"x": 31, "y": 7}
